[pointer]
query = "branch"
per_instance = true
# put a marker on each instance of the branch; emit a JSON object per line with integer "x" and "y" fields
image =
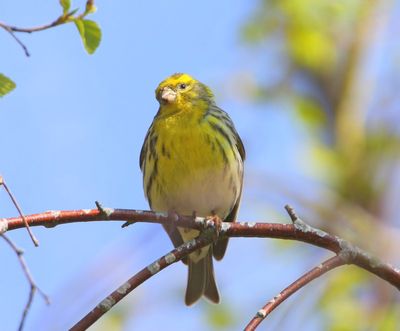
{"x": 299, "y": 231}
{"x": 172, "y": 257}
{"x": 33, "y": 286}
{"x": 66, "y": 17}
{"x": 14, "y": 201}
{"x": 326, "y": 266}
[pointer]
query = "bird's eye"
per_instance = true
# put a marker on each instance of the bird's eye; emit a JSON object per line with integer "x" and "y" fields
{"x": 182, "y": 86}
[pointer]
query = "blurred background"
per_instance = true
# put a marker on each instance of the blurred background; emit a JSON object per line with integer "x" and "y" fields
{"x": 313, "y": 88}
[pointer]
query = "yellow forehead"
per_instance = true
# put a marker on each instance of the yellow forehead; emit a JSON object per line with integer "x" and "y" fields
{"x": 176, "y": 79}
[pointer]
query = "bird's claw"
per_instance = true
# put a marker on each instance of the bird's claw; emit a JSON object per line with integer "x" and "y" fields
{"x": 215, "y": 223}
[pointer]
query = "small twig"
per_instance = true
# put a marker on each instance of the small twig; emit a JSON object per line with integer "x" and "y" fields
{"x": 291, "y": 213}
{"x": 32, "y": 284}
{"x": 173, "y": 256}
{"x": 11, "y": 32}
{"x": 105, "y": 212}
{"x": 63, "y": 19}
{"x": 12, "y": 28}
{"x": 316, "y": 272}
{"x": 34, "y": 240}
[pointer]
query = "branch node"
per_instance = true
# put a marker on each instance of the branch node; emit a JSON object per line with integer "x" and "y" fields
{"x": 292, "y": 213}
{"x": 106, "y": 304}
{"x": 170, "y": 258}
{"x": 123, "y": 289}
{"x": 302, "y": 226}
{"x": 3, "y": 226}
{"x": 261, "y": 313}
{"x": 154, "y": 268}
{"x": 350, "y": 253}
{"x": 104, "y": 212}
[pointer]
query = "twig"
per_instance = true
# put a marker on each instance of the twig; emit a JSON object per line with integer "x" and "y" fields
{"x": 11, "y": 32}
{"x": 174, "y": 256}
{"x": 13, "y": 29}
{"x": 32, "y": 284}
{"x": 299, "y": 231}
{"x": 14, "y": 201}
{"x": 314, "y": 273}
{"x": 63, "y": 19}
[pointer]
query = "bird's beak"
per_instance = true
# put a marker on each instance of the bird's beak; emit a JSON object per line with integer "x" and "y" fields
{"x": 168, "y": 95}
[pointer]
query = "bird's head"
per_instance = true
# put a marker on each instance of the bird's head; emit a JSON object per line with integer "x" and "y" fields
{"x": 183, "y": 91}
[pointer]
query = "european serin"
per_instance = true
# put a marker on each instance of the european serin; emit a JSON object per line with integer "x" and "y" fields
{"x": 192, "y": 163}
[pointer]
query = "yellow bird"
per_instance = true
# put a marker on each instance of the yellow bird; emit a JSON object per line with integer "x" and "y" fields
{"x": 192, "y": 163}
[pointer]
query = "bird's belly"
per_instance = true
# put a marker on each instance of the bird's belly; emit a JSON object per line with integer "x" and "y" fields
{"x": 205, "y": 193}
{"x": 204, "y": 189}
{"x": 208, "y": 194}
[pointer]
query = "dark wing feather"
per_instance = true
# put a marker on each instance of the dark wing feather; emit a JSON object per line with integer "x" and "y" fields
{"x": 220, "y": 246}
{"x": 143, "y": 151}
{"x": 222, "y": 115}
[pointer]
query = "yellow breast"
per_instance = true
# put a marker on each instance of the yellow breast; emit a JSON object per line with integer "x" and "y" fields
{"x": 190, "y": 167}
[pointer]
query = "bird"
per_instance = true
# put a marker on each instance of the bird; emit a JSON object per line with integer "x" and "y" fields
{"x": 192, "y": 160}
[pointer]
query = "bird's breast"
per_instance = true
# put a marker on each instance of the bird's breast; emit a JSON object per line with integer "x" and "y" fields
{"x": 193, "y": 170}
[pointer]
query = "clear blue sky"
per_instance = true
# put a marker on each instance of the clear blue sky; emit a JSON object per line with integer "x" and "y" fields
{"x": 72, "y": 132}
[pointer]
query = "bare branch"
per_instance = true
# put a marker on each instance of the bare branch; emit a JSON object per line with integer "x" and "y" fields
{"x": 173, "y": 256}
{"x": 14, "y": 201}
{"x": 11, "y": 32}
{"x": 63, "y": 19}
{"x": 314, "y": 273}
{"x": 32, "y": 284}
{"x": 299, "y": 231}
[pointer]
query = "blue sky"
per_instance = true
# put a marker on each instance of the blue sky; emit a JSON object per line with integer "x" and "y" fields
{"x": 72, "y": 132}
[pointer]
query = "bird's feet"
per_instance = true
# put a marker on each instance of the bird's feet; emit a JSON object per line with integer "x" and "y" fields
{"x": 214, "y": 222}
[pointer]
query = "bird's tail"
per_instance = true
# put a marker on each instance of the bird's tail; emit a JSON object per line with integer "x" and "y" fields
{"x": 201, "y": 280}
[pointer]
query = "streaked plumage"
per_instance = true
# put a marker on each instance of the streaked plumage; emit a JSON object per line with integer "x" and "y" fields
{"x": 192, "y": 162}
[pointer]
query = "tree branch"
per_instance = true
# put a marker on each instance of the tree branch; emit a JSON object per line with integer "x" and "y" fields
{"x": 14, "y": 201}
{"x": 66, "y": 17}
{"x": 314, "y": 273}
{"x": 173, "y": 256}
{"x": 299, "y": 231}
{"x": 346, "y": 253}
{"x": 32, "y": 284}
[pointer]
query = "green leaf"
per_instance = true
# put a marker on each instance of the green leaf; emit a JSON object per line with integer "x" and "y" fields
{"x": 90, "y": 33}
{"x": 65, "y": 4}
{"x": 6, "y": 85}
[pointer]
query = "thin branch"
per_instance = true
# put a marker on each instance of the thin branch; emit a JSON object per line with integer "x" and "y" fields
{"x": 63, "y": 19}
{"x": 43, "y": 27}
{"x": 11, "y": 32}
{"x": 32, "y": 284}
{"x": 299, "y": 231}
{"x": 173, "y": 256}
{"x": 314, "y": 273}
{"x": 13, "y": 29}
{"x": 14, "y": 201}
